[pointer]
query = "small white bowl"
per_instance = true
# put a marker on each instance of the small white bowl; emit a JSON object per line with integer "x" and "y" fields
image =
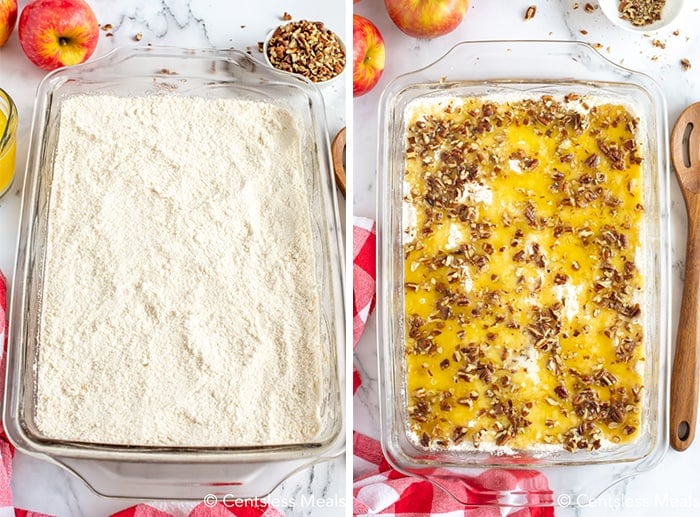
{"x": 670, "y": 12}
{"x": 319, "y": 83}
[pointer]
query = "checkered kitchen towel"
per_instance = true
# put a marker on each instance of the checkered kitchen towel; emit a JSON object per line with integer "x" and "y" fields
{"x": 364, "y": 245}
{"x": 202, "y": 510}
{"x": 378, "y": 489}
{"x": 259, "y": 509}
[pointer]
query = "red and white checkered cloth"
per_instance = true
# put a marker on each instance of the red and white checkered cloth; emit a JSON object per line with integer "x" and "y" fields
{"x": 202, "y": 510}
{"x": 253, "y": 509}
{"x": 379, "y": 489}
{"x": 364, "y": 274}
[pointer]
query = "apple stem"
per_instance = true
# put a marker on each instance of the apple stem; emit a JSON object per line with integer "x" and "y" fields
{"x": 63, "y": 41}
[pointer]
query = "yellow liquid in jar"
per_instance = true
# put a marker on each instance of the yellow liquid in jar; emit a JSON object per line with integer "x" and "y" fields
{"x": 7, "y": 158}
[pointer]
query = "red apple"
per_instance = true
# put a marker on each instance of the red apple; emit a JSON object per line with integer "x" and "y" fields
{"x": 427, "y": 18}
{"x": 56, "y": 33}
{"x": 367, "y": 55}
{"x": 8, "y": 17}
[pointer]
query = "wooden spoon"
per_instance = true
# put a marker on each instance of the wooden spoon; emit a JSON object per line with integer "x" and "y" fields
{"x": 338, "y": 156}
{"x": 685, "y": 156}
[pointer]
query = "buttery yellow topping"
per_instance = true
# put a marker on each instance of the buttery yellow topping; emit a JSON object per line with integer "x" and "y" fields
{"x": 522, "y": 314}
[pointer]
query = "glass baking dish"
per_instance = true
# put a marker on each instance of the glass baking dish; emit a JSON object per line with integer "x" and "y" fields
{"x": 530, "y": 68}
{"x": 176, "y": 472}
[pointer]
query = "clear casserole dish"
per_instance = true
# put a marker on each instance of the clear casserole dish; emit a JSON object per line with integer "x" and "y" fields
{"x": 524, "y": 70}
{"x": 162, "y": 471}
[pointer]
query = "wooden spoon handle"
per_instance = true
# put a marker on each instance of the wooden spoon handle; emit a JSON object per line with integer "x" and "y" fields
{"x": 684, "y": 378}
{"x": 338, "y": 156}
{"x": 685, "y": 155}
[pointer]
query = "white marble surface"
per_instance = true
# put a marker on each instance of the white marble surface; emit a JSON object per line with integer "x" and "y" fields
{"x": 40, "y": 486}
{"x": 672, "y": 487}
